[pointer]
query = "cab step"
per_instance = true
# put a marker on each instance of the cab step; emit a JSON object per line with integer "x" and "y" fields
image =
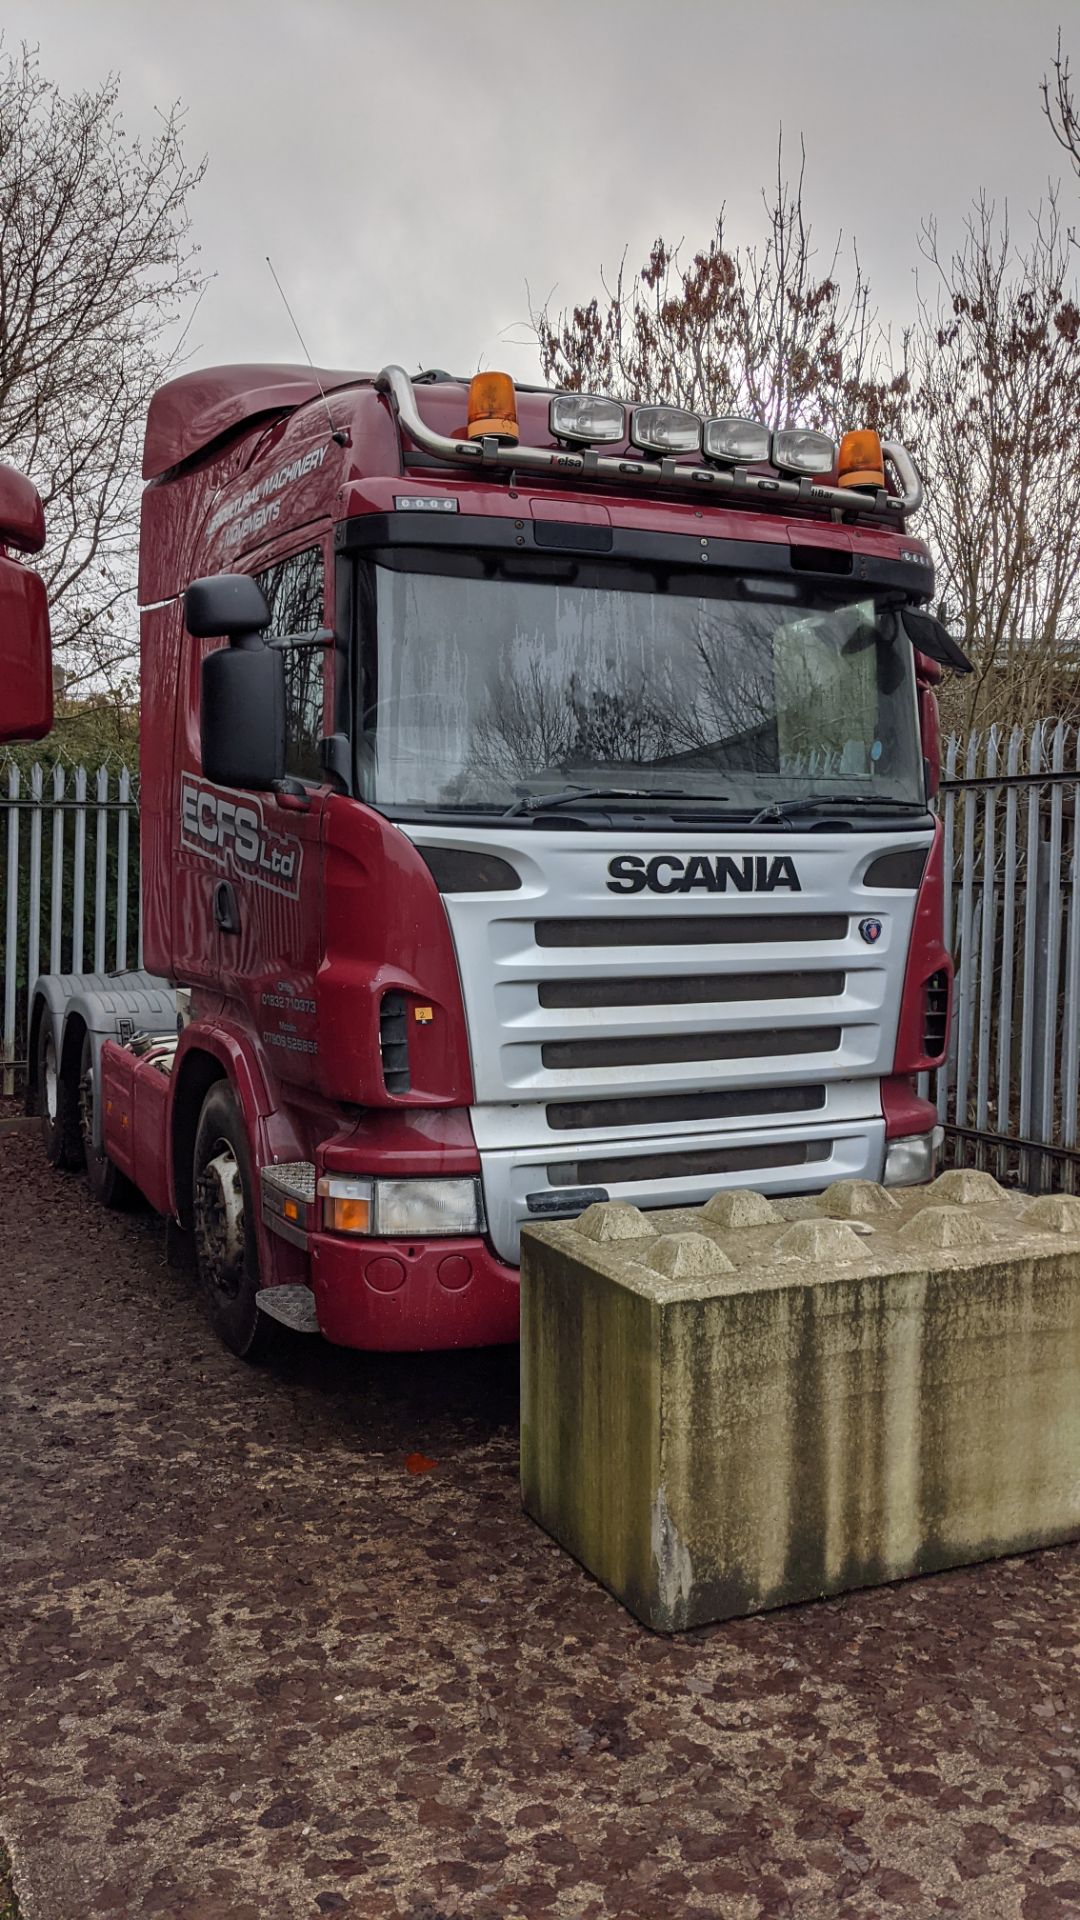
{"x": 288, "y": 1200}
{"x": 294, "y": 1307}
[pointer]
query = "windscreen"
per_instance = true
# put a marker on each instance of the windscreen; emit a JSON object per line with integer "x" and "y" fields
{"x": 479, "y": 692}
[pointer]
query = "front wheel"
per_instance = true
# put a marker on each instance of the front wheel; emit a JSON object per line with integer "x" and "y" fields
{"x": 226, "y": 1250}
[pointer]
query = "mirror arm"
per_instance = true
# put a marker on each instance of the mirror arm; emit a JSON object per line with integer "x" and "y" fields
{"x": 337, "y": 761}
{"x": 294, "y": 642}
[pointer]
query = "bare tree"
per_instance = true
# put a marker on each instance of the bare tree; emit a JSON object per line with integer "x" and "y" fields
{"x": 995, "y": 417}
{"x": 985, "y": 386}
{"x": 1061, "y": 108}
{"x": 755, "y": 332}
{"x": 96, "y": 265}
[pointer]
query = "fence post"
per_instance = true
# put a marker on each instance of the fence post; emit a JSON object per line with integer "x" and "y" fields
{"x": 987, "y": 941}
{"x": 33, "y": 927}
{"x": 1050, "y": 943}
{"x": 947, "y": 1071}
{"x": 1008, "y": 938}
{"x": 101, "y": 868}
{"x": 56, "y": 887}
{"x": 1028, "y": 1047}
{"x": 1070, "y": 1019}
{"x": 122, "y": 825}
{"x": 966, "y": 982}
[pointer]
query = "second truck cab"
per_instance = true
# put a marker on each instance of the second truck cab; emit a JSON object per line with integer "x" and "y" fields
{"x": 26, "y": 685}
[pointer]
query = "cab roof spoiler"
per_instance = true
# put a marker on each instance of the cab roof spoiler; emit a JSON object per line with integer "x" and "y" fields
{"x": 622, "y": 471}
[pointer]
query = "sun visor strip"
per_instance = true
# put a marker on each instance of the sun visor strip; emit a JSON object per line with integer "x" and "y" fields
{"x": 464, "y": 533}
{"x": 928, "y": 636}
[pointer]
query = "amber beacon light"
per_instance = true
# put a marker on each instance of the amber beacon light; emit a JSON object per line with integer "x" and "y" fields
{"x": 493, "y": 408}
{"x": 861, "y": 463}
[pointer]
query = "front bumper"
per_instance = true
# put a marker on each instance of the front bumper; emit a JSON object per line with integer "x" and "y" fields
{"x": 679, "y": 1169}
{"x": 412, "y": 1296}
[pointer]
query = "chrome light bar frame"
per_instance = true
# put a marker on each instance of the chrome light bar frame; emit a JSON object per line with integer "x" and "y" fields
{"x": 666, "y": 472}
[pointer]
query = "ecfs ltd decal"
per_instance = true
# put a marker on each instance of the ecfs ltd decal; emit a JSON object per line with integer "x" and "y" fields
{"x": 233, "y": 834}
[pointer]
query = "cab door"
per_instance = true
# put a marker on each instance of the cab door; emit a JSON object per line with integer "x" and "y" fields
{"x": 269, "y": 912}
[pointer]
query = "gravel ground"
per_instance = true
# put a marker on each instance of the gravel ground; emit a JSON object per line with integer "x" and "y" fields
{"x": 254, "y": 1667}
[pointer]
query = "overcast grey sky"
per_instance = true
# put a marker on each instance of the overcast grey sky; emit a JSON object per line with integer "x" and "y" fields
{"x": 410, "y": 165}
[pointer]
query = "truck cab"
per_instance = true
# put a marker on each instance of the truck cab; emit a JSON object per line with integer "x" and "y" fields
{"x": 537, "y": 808}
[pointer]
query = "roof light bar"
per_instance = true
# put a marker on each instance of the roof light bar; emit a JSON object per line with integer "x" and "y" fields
{"x": 563, "y": 463}
{"x": 798, "y": 450}
{"x": 665, "y": 430}
{"x": 741, "y": 443}
{"x": 586, "y": 417}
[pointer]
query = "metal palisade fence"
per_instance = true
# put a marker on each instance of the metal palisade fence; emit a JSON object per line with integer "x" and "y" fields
{"x": 1009, "y": 1094}
{"x": 69, "y": 883}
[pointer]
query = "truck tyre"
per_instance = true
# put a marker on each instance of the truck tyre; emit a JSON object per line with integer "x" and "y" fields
{"x": 226, "y": 1249}
{"x": 106, "y": 1181}
{"x": 57, "y": 1101}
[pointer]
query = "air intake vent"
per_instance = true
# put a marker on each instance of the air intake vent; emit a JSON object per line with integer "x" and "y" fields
{"x": 668, "y": 1109}
{"x": 690, "y": 989}
{"x": 654, "y": 1050}
{"x": 458, "y": 870}
{"x": 394, "y": 1043}
{"x": 936, "y": 1015}
{"x": 903, "y": 868}
{"x": 701, "y": 930}
{"x": 688, "y": 1165}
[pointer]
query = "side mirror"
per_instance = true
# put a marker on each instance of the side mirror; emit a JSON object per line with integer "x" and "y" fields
{"x": 242, "y": 718}
{"x": 26, "y": 683}
{"x": 242, "y": 708}
{"x": 22, "y": 516}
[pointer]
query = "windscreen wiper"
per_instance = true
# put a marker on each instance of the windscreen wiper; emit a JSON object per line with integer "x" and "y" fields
{"x": 834, "y": 803}
{"x": 584, "y": 796}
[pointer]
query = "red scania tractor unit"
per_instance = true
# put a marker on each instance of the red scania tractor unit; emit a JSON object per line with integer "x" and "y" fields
{"x": 537, "y": 808}
{"x": 26, "y": 687}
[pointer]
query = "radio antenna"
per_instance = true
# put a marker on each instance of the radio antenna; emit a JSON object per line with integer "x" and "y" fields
{"x": 336, "y": 433}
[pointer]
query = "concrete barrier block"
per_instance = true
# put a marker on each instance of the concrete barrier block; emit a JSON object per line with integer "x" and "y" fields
{"x": 739, "y": 1406}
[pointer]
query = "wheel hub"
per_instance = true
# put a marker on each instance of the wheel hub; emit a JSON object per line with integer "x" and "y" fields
{"x": 50, "y": 1087}
{"x": 219, "y": 1220}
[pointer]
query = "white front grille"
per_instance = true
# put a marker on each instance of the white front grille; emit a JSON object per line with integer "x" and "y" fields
{"x": 646, "y": 1023}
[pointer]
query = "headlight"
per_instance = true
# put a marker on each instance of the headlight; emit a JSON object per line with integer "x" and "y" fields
{"x": 665, "y": 430}
{"x": 587, "y": 417}
{"x": 740, "y": 442}
{"x": 398, "y": 1209}
{"x": 799, "y": 451}
{"x": 428, "y": 1206}
{"x": 912, "y": 1160}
